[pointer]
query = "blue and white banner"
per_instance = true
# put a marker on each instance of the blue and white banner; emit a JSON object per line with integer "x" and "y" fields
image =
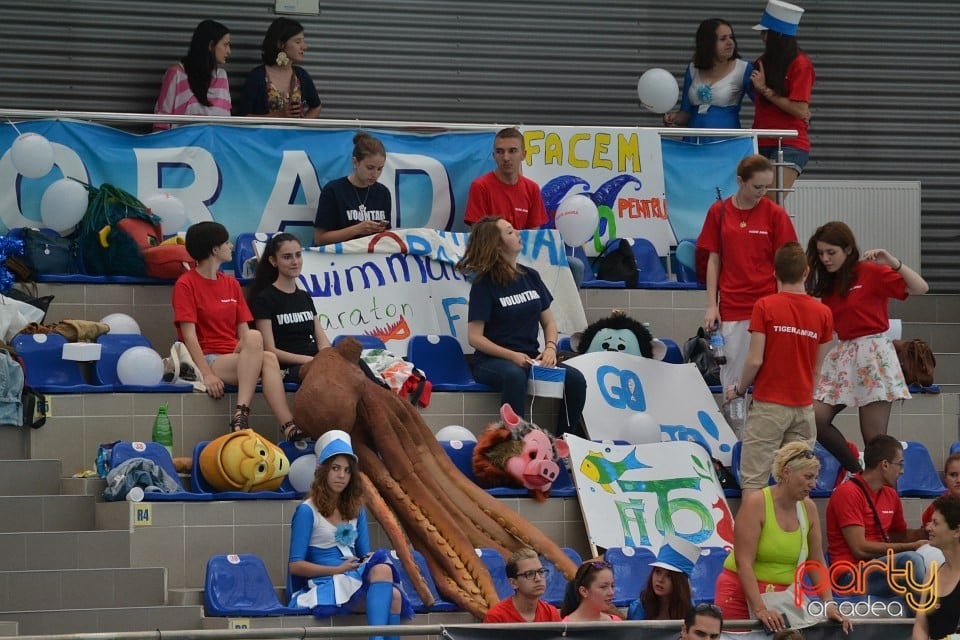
{"x": 403, "y": 282}
{"x": 248, "y": 178}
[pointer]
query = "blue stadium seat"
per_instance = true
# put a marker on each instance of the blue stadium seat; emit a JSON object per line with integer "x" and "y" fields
{"x": 631, "y": 568}
{"x": 368, "y": 342}
{"x": 112, "y": 347}
{"x": 199, "y": 484}
{"x": 920, "y": 478}
{"x": 442, "y": 359}
{"x": 590, "y": 280}
{"x": 45, "y": 369}
{"x": 239, "y": 585}
{"x": 156, "y": 452}
{"x": 497, "y": 567}
{"x": 415, "y": 600}
{"x": 735, "y": 462}
{"x": 556, "y": 581}
{"x": 674, "y": 353}
{"x": 687, "y": 256}
{"x": 829, "y": 469}
{"x": 704, "y": 578}
{"x": 652, "y": 273}
{"x": 243, "y": 250}
{"x": 564, "y": 344}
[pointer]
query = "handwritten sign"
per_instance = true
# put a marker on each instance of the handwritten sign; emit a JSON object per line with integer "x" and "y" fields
{"x": 649, "y": 491}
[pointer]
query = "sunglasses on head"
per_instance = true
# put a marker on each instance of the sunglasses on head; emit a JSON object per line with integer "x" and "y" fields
{"x": 808, "y": 455}
{"x": 704, "y": 607}
{"x": 600, "y": 564}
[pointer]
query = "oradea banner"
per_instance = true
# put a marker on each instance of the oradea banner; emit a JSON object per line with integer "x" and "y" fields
{"x": 402, "y": 283}
{"x": 626, "y": 393}
{"x": 634, "y": 495}
{"x": 248, "y": 178}
{"x": 620, "y": 169}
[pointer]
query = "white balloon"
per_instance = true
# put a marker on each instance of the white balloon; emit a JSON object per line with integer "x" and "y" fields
{"x": 121, "y": 323}
{"x": 301, "y": 473}
{"x": 658, "y": 90}
{"x": 576, "y": 219}
{"x": 169, "y": 209}
{"x": 63, "y": 204}
{"x": 640, "y": 428}
{"x": 455, "y": 432}
{"x": 140, "y": 366}
{"x": 32, "y": 155}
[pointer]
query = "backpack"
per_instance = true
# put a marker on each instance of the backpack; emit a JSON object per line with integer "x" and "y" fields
{"x": 916, "y": 360}
{"x": 618, "y": 264}
{"x": 697, "y": 351}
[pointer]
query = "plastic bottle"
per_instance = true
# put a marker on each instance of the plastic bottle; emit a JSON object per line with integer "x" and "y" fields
{"x": 717, "y": 348}
{"x": 162, "y": 431}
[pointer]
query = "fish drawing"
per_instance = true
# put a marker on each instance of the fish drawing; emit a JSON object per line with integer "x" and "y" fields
{"x": 606, "y": 472}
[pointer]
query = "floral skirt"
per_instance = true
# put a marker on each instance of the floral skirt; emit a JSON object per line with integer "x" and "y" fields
{"x": 861, "y": 371}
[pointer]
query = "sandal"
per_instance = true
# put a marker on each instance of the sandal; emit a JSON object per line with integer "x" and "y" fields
{"x": 292, "y": 432}
{"x": 241, "y": 418}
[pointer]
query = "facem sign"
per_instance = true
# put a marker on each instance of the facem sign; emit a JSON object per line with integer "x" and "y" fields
{"x": 850, "y": 579}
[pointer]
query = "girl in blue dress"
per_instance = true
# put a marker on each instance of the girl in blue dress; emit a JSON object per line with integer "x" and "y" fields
{"x": 332, "y": 569}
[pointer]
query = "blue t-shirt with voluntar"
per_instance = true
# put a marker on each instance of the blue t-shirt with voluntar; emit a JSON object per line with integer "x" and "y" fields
{"x": 342, "y": 205}
{"x": 511, "y": 313}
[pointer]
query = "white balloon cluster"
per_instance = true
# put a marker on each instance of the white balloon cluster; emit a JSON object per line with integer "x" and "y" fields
{"x": 32, "y": 155}
{"x": 65, "y": 201}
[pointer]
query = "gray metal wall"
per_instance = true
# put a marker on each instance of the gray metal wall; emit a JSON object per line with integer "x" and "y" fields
{"x": 885, "y": 105}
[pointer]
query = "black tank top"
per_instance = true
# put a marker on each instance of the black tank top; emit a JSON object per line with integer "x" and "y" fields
{"x": 943, "y": 619}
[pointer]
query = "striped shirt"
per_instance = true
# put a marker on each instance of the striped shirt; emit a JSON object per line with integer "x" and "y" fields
{"x": 176, "y": 98}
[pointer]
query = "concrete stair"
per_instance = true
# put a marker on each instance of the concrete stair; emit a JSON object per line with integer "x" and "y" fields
{"x": 59, "y": 574}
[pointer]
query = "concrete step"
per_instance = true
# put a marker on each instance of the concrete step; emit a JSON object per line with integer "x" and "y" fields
{"x": 931, "y": 307}
{"x": 29, "y": 477}
{"x": 8, "y": 629}
{"x": 82, "y": 589}
{"x": 64, "y": 550}
{"x": 294, "y": 622}
{"x": 46, "y": 513}
{"x": 105, "y": 620}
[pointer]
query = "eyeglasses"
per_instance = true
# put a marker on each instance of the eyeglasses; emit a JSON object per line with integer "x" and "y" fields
{"x": 899, "y": 463}
{"x": 534, "y": 573}
{"x": 808, "y": 455}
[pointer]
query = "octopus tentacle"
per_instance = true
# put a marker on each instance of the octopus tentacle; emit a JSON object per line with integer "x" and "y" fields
{"x": 388, "y": 521}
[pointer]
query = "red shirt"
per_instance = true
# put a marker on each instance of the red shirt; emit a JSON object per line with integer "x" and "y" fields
{"x": 519, "y": 204}
{"x": 795, "y": 325}
{"x": 746, "y": 257}
{"x": 216, "y": 307}
{"x": 799, "y": 87}
{"x": 927, "y": 514}
{"x": 864, "y": 310}
{"x": 849, "y": 507}
{"x": 505, "y": 611}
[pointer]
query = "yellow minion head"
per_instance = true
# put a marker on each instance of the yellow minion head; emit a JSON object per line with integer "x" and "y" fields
{"x": 243, "y": 461}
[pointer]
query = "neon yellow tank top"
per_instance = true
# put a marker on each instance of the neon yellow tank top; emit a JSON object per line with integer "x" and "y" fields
{"x": 777, "y": 550}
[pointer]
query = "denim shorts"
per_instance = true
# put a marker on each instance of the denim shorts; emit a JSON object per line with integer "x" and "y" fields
{"x": 793, "y": 158}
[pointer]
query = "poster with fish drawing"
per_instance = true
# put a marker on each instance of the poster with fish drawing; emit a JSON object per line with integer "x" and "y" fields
{"x": 626, "y": 393}
{"x": 619, "y": 168}
{"x": 634, "y": 495}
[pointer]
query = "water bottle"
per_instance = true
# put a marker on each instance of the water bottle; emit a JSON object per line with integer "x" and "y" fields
{"x": 717, "y": 349}
{"x": 162, "y": 431}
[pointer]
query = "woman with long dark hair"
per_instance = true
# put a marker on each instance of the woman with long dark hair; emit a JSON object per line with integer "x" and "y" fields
{"x": 330, "y": 555}
{"x": 715, "y": 82}
{"x": 280, "y": 87}
{"x": 508, "y": 306}
{"x": 198, "y": 85}
{"x": 589, "y": 595}
{"x": 862, "y": 369}
{"x": 783, "y": 80}
{"x": 667, "y": 594}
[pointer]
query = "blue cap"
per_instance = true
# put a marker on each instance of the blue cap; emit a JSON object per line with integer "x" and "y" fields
{"x": 781, "y": 17}
{"x": 677, "y": 554}
{"x": 334, "y": 443}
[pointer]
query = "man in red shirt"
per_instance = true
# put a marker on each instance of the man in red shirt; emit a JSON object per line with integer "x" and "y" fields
{"x": 504, "y": 191}
{"x": 528, "y": 577}
{"x": 790, "y": 332}
{"x": 865, "y": 519}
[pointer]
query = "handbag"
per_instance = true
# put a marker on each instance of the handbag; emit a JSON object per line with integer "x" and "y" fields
{"x": 784, "y": 602}
{"x": 916, "y": 360}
